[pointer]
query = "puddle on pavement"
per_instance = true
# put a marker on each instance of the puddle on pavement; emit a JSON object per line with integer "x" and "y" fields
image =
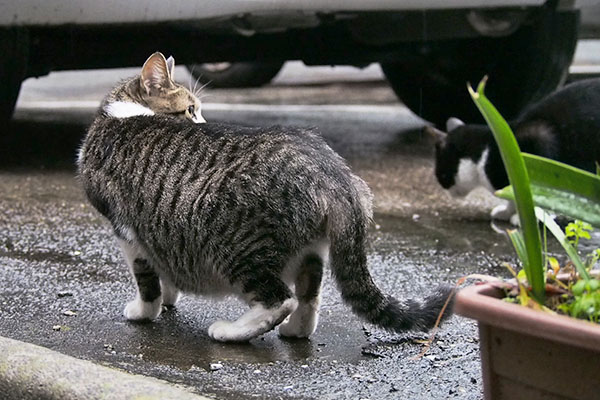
{"x": 189, "y": 347}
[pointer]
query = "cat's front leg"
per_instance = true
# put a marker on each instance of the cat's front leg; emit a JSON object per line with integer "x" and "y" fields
{"x": 147, "y": 302}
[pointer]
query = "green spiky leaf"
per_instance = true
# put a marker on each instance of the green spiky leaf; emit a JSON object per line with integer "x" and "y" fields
{"x": 519, "y": 179}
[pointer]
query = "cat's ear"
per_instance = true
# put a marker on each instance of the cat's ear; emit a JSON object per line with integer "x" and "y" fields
{"x": 171, "y": 67}
{"x": 453, "y": 123}
{"x": 436, "y": 134}
{"x": 155, "y": 74}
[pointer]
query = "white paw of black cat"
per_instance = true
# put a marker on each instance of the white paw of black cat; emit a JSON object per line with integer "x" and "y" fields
{"x": 138, "y": 310}
{"x": 503, "y": 212}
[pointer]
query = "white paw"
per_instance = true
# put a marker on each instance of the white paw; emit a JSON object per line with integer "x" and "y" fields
{"x": 225, "y": 331}
{"x": 301, "y": 324}
{"x": 502, "y": 212}
{"x": 137, "y": 309}
{"x": 514, "y": 220}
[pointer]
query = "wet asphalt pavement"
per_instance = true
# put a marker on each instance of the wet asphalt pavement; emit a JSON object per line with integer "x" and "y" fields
{"x": 64, "y": 283}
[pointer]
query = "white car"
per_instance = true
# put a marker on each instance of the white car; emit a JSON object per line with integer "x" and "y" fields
{"x": 428, "y": 49}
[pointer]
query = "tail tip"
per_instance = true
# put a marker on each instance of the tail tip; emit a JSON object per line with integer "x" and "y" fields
{"x": 442, "y": 301}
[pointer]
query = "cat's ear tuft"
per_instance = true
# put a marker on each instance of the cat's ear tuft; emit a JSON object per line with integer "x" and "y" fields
{"x": 155, "y": 74}
{"x": 171, "y": 67}
{"x": 453, "y": 123}
{"x": 435, "y": 134}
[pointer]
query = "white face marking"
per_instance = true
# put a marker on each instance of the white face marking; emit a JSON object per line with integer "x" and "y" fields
{"x": 198, "y": 118}
{"x": 125, "y": 109}
{"x": 470, "y": 175}
{"x": 465, "y": 179}
{"x": 483, "y": 179}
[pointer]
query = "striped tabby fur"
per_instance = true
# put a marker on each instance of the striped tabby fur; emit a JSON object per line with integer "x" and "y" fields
{"x": 253, "y": 212}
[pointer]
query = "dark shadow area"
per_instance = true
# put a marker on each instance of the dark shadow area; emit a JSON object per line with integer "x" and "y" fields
{"x": 358, "y": 85}
{"x": 412, "y": 141}
{"x": 42, "y": 140}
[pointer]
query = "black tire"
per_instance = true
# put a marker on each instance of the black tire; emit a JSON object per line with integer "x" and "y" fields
{"x": 238, "y": 74}
{"x": 14, "y": 46}
{"x": 522, "y": 68}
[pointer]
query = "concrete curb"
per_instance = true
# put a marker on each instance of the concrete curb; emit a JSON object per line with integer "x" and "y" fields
{"x": 32, "y": 372}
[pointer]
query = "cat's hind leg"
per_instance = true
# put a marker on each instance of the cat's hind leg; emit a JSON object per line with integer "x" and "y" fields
{"x": 270, "y": 302}
{"x": 147, "y": 303}
{"x": 303, "y": 322}
{"x": 170, "y": 293}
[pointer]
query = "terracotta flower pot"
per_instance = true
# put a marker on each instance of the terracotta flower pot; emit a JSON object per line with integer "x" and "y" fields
{"x": 529, "y": 354}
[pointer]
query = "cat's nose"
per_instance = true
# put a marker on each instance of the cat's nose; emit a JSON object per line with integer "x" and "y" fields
{"x": 198, "y": 118}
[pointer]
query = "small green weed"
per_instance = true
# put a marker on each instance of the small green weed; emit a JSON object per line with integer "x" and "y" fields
{"x": 583, "y": 299}
{"x": 577, "y": 230}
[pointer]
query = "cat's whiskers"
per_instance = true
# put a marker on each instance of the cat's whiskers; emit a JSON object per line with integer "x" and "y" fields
{"x": 191, "y": 77}
{"x": 196, "y": 84}
{"x": 200, "y": 89}
{"x": 203, "y": 96}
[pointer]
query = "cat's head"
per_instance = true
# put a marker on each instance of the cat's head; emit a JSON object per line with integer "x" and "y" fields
{"x": 153, "y": 92}
{"x": 459, "y": 158}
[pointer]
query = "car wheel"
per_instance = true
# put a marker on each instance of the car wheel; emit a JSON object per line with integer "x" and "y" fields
{"x": 13, "y": 65}
{"x": 237, "y": 74}
{"x": 522, "y": 68}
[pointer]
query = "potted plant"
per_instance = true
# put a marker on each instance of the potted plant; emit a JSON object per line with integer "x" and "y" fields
{"x": 528, "y": 351}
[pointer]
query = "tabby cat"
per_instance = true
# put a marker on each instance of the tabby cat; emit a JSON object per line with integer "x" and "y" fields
{"x": 214, "y": 209}
{"x": 564, "y": 126}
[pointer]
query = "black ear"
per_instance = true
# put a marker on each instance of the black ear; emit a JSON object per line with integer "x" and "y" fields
{"x": 436, "y": 134}
{"x": 453, "y": 123}
{"x": 155, "y": 74}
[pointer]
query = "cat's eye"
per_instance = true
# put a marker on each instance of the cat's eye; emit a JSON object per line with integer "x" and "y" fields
{"x": 191, "y": 109}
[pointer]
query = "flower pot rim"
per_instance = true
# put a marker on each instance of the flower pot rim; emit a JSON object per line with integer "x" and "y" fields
{"x": 483, "y": 302}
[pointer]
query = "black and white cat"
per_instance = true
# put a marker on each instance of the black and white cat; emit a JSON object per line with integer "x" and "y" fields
{"x": 564, "y": 126}
{"x": 214, "y": 209}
